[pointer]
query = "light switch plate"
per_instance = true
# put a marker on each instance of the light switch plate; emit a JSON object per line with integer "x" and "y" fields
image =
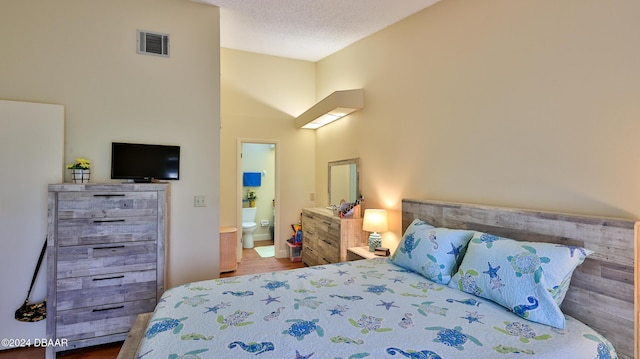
{"x": 199, "y": 201}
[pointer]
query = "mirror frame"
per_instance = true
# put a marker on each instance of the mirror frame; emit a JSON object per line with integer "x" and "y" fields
{"x": 355, "y": 161}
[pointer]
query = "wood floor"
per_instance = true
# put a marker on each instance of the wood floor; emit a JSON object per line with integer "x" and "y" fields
{"x": 251, "y": 263}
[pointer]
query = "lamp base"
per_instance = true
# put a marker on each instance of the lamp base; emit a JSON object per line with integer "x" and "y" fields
{"x": 375, "y": 241}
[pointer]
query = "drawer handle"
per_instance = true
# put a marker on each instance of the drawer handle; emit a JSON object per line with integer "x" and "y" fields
{"x": 326, "y": 241}
{"x": 107, "y": 278}
{"x": 109, "y": 195}
{"x": 108, "y": 220}
{"x": 112, "y": 247}
{"x": 327, "y": 223}
{"x": 105, "y": 309}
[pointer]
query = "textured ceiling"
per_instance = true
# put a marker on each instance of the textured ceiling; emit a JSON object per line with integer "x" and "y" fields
{"x": 306, "y": 29}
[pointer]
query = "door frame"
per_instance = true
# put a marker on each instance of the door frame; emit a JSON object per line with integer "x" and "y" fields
{"x": 278, "y": 243}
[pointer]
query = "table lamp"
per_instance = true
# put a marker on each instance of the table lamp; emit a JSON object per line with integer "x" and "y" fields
{"x": 375, "y": 220}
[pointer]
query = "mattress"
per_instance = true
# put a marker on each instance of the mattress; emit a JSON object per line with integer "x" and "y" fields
{"x": 366, "y": 308}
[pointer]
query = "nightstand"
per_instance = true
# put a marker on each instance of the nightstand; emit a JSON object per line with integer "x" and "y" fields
{"x": 356, "y": 253}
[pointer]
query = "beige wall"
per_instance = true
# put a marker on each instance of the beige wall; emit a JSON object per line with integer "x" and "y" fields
{"x": 261, "y": 95}
{"x": 528, "y": 104}
{"x": 82, "y": 55}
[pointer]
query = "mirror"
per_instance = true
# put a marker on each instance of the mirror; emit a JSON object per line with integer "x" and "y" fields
{"x": 344, "y": 181}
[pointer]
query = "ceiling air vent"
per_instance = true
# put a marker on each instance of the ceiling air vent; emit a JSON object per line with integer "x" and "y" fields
{"x": 153, "y": 43}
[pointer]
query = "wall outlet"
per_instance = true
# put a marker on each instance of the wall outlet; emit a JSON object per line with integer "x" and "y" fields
{"x": 199, "y": 201}
{"x": 312, "y": 196}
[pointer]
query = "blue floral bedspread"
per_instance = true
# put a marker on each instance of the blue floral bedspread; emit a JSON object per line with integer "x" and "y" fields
{"x": 361, "y": 309}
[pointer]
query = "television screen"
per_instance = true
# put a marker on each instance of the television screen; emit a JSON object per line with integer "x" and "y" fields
{"x": 144, "y": 163}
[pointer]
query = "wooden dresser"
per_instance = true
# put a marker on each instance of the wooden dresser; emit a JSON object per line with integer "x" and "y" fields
{"x": 228, "y": 245}
{"x": 326, "y": 236}
{"x": 105, "y": 259}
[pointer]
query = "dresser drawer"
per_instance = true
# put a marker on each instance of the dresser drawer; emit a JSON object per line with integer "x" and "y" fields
{"x": 71, "y": 232}
{"x": 329, "y": 235}
{"x": 321, "y": 240}
{"x": 92, "y": 322}
{"x": 311, "y": 256}
{"x": 308, "y": 222}
{"x": 328, "y": 250}
{"x": 103, "y": 289}
{"x": 78, "y": 261}
{"x": 319, "y": 252}
{"x": 106, "y": 204}
{"x": 324, "y": 225}
{"x": 309, "y": 235}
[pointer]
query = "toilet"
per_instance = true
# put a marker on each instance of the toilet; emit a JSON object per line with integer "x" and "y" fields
{"x": 248, "y": 226}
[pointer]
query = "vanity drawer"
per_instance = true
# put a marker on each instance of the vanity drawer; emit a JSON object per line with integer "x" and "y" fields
{"x": 319, "y": 252}
{"x": 327, "y": 244}
{"x": 309, "y": 229}
{"x": 308, "y": 222}
{"x": 308, "y": 234}
{"x": 104, "y": 289}
{"x": 311, "y": 256}
{"x": 329, "y": 236}
{"x": 101, "y": 320}
{"x": 328, "y": 250}
{"x": 326, "y": 236}
{"x": 71, "y": 232}
{"x": 91, "y": 204}
{"x": 326, "y": 224}
{"x": 88, "y": 260}
{"x": 317, "y": 255}
{"x": 320, "y": 226}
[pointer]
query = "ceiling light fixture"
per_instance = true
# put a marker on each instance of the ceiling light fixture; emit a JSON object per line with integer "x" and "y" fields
{"x": 331, "y": 108}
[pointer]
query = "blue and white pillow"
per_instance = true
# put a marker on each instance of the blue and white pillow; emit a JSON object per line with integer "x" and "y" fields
{"x": 432, "y": 252}
{"x": 528, "y": 278}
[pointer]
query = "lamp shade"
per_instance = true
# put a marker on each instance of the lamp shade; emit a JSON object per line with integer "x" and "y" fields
{"x": 375, "y": 220}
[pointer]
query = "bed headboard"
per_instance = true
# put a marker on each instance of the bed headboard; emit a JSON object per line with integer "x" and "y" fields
{"x": 602, "y": 289}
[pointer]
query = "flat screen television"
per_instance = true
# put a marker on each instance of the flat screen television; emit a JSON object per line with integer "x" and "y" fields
{"x": 144, "y": 162}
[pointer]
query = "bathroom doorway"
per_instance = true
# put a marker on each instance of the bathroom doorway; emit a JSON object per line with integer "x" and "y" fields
{"x": 258, "y": 195}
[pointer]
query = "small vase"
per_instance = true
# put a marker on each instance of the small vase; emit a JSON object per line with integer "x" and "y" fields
{"x": 252, "y": 203}
{"x": 80, "y": 175}
{"x": 375, "y": 241}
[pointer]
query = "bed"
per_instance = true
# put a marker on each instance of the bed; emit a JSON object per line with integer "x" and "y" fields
{"x": 377, "y": 308}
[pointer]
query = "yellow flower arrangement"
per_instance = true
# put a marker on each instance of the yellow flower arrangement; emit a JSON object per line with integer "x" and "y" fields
{"x": 80, "y": 164}
{"x": 251, "y": 195}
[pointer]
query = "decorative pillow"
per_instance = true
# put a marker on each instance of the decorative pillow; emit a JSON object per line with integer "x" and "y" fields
{"x": 432, "y": 252}
{"x": 528, "y": 278}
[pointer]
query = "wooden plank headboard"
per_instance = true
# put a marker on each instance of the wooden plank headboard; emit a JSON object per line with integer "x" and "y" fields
{"x": 602, "y": 289}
